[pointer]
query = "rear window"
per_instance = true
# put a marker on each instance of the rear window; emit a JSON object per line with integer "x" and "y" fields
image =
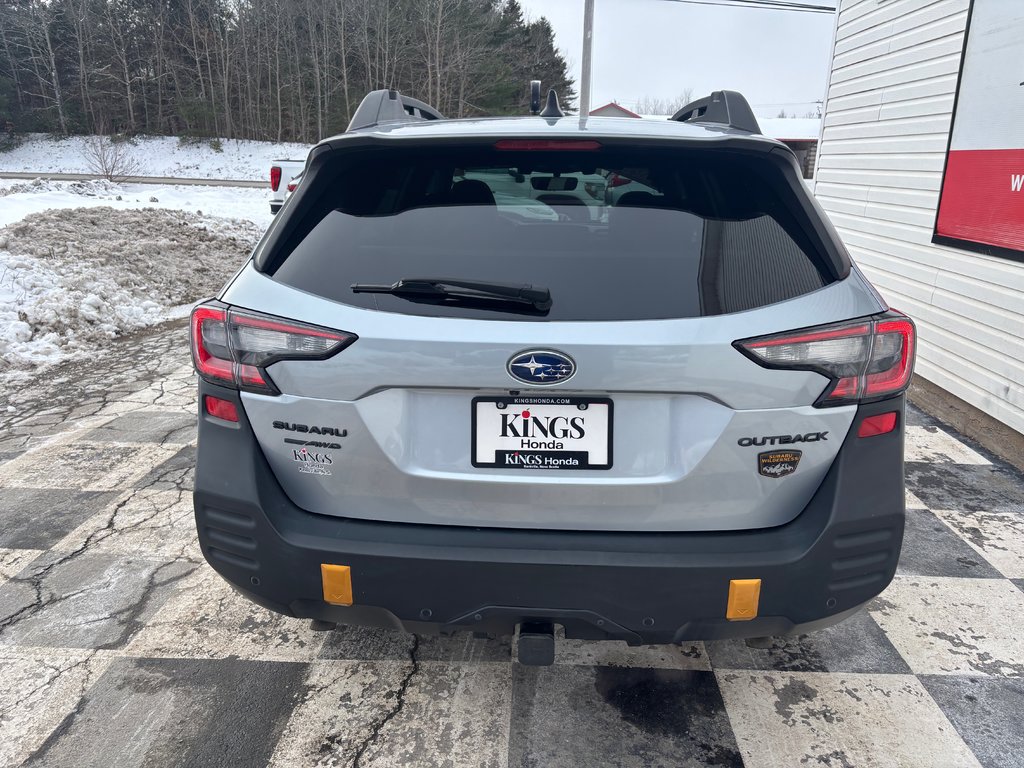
{"x": 613, "y": 234}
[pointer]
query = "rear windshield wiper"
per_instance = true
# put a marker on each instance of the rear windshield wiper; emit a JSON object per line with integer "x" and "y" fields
{"x": 445, "y": 288}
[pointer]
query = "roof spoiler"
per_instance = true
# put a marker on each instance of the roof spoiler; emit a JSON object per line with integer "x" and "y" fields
{"x": 389, "y": 106}
{"x": 727, "y": 108}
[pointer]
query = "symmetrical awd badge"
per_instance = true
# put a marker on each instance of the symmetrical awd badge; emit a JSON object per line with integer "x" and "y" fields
{"x": 541, "y": 367}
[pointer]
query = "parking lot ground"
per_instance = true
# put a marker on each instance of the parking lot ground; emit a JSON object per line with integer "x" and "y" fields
{"x": 119, "y": 646}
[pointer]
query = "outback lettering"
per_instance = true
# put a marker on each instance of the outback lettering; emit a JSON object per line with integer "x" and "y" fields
{"x": 810, "y": 437}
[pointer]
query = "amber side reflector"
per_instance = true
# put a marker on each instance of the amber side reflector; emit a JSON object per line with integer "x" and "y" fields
{"x": 743, "y": 597}
{"x": 337, "y": 583}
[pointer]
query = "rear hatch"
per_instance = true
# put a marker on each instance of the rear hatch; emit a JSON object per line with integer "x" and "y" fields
{"x": 624, "y": 405}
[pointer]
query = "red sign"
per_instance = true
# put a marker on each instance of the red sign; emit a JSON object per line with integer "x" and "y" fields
{"x": 982, "y": 201}
{"x": 983, "y": 197}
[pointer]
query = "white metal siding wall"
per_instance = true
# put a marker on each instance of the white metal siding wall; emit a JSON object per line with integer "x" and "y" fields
{"x": 887, "y": 118}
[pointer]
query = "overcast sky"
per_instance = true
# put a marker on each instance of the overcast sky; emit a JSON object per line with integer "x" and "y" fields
{"x": 777, "y": 59}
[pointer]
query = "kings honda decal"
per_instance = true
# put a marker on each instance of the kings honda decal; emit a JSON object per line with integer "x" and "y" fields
{"x": 982, "y": 200}
{"x": 537, "y": 432}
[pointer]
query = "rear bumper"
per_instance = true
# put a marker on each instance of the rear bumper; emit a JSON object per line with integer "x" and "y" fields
{"x": 841, "y": 551}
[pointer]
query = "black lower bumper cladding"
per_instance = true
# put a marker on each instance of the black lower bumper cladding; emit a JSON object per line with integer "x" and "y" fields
{"x": 841, "y": 551}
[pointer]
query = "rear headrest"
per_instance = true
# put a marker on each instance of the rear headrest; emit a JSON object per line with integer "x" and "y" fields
{"x": 470, "y": 192}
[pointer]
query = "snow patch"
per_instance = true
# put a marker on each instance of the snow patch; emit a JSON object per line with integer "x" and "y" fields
{"x": 161, "y": 156}
{"x": 72, "y": 278}
{"x": 95, "y": 188}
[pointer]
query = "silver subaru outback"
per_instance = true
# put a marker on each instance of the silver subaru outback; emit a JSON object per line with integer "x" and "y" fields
{"x": 456, "y": 388}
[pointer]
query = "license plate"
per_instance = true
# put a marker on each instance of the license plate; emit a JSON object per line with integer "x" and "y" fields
{"x": 542, "y": 432}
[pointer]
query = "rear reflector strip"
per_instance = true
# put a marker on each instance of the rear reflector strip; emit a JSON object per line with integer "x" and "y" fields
{"x": 880, "y": 424}
{"x": 221, "y": 409}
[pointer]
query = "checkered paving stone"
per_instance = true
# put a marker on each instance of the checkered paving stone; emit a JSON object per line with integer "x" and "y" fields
{"x": 119, "y": 646}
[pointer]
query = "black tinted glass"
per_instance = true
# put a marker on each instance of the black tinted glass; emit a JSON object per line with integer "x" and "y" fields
{"x": 613, "y": 234}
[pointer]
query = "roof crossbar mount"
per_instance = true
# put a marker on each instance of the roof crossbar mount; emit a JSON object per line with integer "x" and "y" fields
{"x": 727, "y": 108}
{"x": 389, "y": 106}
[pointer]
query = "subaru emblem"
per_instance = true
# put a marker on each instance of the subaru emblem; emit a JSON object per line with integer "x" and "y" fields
{"x": 541, "y": 367}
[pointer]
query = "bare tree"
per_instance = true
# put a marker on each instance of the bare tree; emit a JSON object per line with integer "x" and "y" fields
{"x": 38, "y": 56}
{"x": 110, "y": 159}
{"x": 263, "y": 69}
{"x": 654, "y": 105}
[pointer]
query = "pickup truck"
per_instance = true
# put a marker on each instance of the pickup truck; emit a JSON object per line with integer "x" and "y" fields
{"x": 281, "y": 174}
{"x": 285, "y": 175}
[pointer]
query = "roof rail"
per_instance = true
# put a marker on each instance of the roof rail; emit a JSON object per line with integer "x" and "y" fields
{"x": 388, "y": 106}
{"x": 727, "y": 108}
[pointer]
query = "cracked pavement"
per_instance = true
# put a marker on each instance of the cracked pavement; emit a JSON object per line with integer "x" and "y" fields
{"x": 119, "y": 646}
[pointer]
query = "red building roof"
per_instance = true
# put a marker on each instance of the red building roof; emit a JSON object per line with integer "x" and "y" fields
{"x": 612, "y": 106}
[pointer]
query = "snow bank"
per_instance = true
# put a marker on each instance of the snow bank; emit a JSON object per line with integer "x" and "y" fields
{"x": 96, "y": 188}
{"x": 162, "y": 156}
{"x": 72, "y": 278}
{"x": 20, "y": 198}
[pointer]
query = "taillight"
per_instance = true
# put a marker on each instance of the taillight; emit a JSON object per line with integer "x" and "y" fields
{"x": 275, "y": 177}
{"x": 618, "y": 181}
{"x": 892, "y": 357}
{"x": 291, "y": 186}
{"x": 234, "y": 347}
{"x": 210, "y": 353}
{"x": 867, "y": 359}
